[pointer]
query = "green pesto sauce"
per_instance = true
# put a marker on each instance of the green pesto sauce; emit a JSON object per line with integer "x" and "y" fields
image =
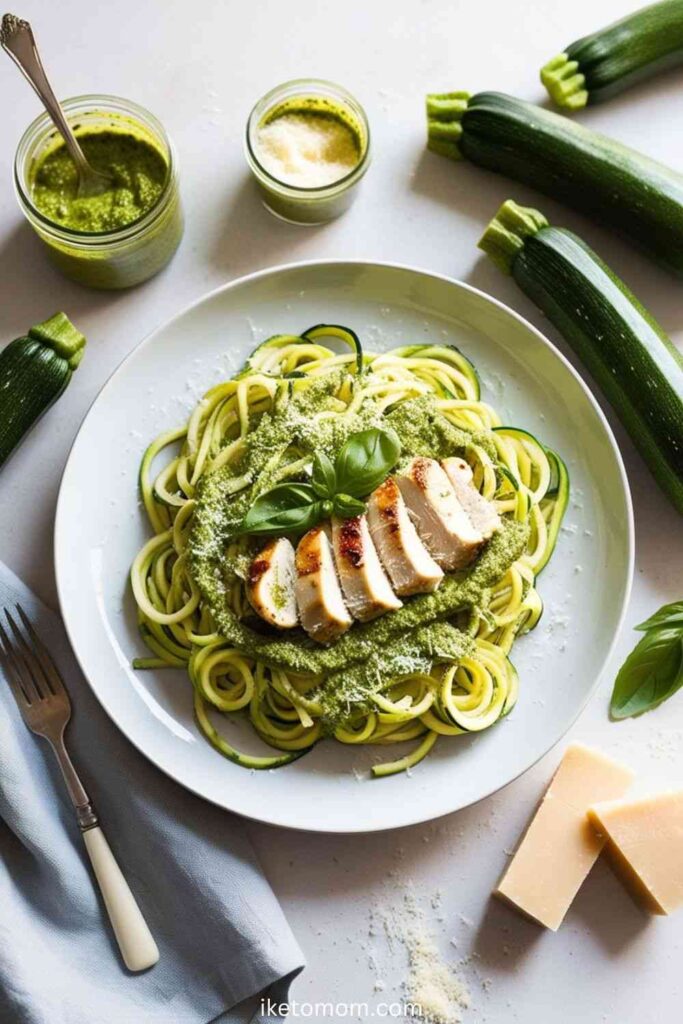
{"x": 370, "y": 655}
{"x": 139, "y": 171}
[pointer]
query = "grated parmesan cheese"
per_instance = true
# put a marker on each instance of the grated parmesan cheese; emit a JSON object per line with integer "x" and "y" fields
{"x": 307, "y": 150}
{"x": 432, "y": 985}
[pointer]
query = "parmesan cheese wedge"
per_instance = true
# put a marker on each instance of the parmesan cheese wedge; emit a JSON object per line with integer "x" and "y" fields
{"x": 560, "y": 846}
{"x": 645, "y": 845}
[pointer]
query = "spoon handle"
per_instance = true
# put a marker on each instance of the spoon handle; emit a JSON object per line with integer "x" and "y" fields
{"x": 16, "y": 37}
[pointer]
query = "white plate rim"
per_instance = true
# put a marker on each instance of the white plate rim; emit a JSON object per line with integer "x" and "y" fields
{"x": 207, "y": 297}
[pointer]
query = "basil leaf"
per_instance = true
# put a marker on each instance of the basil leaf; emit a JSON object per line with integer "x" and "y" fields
{"x": 366, "y": 460}
{"x": 668, "y": 615}
{"x": 286, "y": 508}
{"x": 651, "y": 673}
{"x": 346, "y": 507}
{"x": 324, "y": 478}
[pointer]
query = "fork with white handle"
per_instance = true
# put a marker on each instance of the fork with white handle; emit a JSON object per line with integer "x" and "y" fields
{"x": 46, "y": 709}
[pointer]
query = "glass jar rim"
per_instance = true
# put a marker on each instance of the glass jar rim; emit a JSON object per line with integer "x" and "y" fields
{"x": 95, "y": 239}
{"x": 310, "y": 85}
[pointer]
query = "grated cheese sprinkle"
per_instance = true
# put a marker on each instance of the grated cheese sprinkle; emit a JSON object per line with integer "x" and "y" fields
{"x": 307, "y": 150}
{"x": 432, "y": 985}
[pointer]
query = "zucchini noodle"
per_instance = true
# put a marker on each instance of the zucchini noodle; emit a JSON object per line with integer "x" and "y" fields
{"x": 445, "y": 696}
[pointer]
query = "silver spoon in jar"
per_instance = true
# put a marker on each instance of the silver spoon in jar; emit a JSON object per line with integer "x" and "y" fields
{"x": 16, "y": 37}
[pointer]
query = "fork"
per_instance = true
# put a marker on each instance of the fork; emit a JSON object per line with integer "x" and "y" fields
{"x": 46, "y": 709}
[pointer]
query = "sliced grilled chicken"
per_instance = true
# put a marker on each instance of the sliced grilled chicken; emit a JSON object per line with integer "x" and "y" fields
{"x": 367, "y": 590}
{"x": 482, "y": 513}
{"x": 411, "y": 568}
{"x": 270, "y": 584}
{"x": 440, "y": 519}
{"x": 321, "y": 606}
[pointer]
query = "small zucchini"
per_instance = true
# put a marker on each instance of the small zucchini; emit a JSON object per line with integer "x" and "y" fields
{"x": 612, "y": 59}
{"x": 626, "y": 351}
{"x": 34, "y": 371}
{"x": 636, "y": 196}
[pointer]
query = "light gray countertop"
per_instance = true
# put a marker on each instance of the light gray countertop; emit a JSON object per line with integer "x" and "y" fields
{"x": 200, "y": 69}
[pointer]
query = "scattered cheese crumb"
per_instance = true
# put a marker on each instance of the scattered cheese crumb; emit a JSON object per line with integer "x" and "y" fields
{"x": 666, "y": 744}
{"x": 432, "y": 985}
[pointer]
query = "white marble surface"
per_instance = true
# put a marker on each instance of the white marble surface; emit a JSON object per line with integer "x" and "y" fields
{"x": 200, "y": 68}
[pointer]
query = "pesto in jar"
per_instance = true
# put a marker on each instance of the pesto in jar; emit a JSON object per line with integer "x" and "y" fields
{"x": 138, "y": 171}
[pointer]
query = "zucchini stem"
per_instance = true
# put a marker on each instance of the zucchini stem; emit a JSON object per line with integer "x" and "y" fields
{"x": 505, "y": 235}
{"x": 565, "y": 84}
{"x": 59, "y": 334}
{"x": 444, "y": 114}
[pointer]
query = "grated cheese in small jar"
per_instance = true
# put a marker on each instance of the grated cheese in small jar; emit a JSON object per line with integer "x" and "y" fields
{"x": 307, "y": 150}
{"x": 308, "y": 146}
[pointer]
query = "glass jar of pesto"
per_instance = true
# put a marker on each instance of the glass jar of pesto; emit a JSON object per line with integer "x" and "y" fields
{"x": 130, "y": 232}
{"x": 308, "y": 146}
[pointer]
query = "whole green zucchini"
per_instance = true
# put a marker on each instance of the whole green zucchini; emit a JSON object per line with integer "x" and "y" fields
{"x": 634, "y": 195}
{"x": 610, "y": 60}
{"x": 627, "y": 352}
{"x": 34, "y": 370}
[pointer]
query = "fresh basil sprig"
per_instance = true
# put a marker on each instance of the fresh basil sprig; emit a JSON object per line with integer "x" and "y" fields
{"x": 669, "y": 615}
{"x": 653, "y": 671}
{"x": 286, "y": 508}
{"x": 345, "y": 506}
{"x": 323, "y": 476}
{"x": 363, "y": 463}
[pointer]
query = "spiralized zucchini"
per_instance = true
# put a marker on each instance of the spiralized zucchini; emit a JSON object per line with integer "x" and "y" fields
{"x": 526, "y": 481}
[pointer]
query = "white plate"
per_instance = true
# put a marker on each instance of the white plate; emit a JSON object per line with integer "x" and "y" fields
{"x": 100, "y": 528}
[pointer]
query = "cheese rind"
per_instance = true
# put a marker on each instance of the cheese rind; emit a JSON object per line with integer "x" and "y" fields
{"x": 645, "y": 845}
{"x": 560, "y": 846}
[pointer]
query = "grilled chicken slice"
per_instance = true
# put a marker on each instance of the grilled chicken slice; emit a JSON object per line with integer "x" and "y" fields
{"x": 270, "y": 584}
{"x": 411, "y": 568}
{"x": 482, "y": 513}
{"x": 318, "y": 594}
{"x": 441, "y": 521}
{"x": 367, "y": 590}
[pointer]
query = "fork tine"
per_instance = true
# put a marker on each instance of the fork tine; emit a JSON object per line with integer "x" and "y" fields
{"x": 50, "y": 670}
{"x": 8, "y": 665}
{"x": 22, "y": 654}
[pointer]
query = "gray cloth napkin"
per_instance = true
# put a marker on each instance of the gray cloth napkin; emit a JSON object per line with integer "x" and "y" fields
{"x": 223, "y": 939}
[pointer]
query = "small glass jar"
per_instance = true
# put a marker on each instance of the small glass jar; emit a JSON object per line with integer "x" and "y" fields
{"x": 109, "y": 259}
{"x": 294, "y": 203}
